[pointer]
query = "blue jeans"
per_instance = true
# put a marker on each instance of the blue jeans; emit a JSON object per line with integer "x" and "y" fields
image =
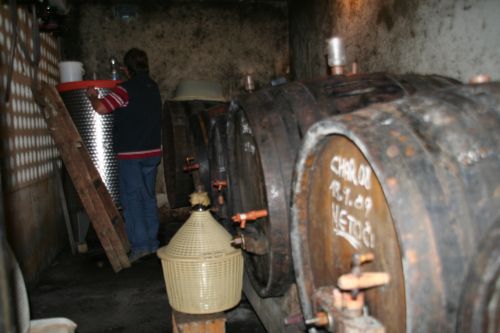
{"x": 138, "y": 198}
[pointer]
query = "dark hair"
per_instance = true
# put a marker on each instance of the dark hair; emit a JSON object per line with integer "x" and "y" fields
{"x": 136, "y": 61}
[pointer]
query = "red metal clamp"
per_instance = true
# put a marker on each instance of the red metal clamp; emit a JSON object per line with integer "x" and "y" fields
{"x": 189, "y": 165}
{"x": 219, "y": 184}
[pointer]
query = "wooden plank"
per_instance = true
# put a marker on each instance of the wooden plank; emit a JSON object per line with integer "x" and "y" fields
{"x": 64, "y": 206}
{"x": 204, "y": 323}
{"x": 102, "y": 212}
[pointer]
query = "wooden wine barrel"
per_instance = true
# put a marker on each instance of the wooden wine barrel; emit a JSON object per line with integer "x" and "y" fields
{"x": 268, "y": 129}
{"x": 221, "y": 159}
{"x": 185, "y": 134}
{"x": 416, "y": 182}
{"x": 480, "y": 301}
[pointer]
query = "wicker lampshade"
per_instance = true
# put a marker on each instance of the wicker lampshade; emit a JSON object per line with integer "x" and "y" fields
{"x": 203, "y": 272}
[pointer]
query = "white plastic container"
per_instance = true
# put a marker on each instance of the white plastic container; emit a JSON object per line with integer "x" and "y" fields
{"x": 71, "y": 71}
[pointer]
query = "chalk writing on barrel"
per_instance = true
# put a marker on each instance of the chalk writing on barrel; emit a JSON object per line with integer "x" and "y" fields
{"x": 347, "y": 169}
{"x": 355, "y": 231}
{"x": 351, "y": 209}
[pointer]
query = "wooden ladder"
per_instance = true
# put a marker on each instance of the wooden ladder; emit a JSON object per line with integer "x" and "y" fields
{"x": 98, "y": 204}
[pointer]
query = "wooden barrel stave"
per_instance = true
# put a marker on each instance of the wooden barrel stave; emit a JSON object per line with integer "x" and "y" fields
{"x": 418, "y": 181}
{"x": 463, "y": 148}
{"x": 413, "y": 83}
{"x": 261, "y": 187}
{"x": 219, "y": 164}
{"x": 175, "y": 141}
{"x": 340, "y": 95}
{"x": 198, "y": 123}
{"x": 428, "y": 189}
{"x": 480, "y": 300}
{"x": 302, "y": 106}
{"x": 233, "y": 200}
{"x": 186, "y": 127}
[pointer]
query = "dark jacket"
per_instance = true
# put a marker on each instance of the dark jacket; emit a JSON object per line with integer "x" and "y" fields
{"x": 137, "y": 126}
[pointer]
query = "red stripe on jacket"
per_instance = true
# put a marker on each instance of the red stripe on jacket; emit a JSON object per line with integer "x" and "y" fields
{"x": 117, "y": 98}
{"x": 139, "y": 154}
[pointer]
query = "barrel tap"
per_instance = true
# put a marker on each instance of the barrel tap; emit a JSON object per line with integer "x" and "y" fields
{"x": 255, "y": 243}
{"x": 194, "y": 169}
{"x": 342, "y": 308}
{"x": 253, "y": 215}
{"x": 219, "y": 185}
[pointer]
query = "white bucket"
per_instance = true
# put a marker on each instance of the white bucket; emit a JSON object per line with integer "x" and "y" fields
{"x": 70, "y": 71}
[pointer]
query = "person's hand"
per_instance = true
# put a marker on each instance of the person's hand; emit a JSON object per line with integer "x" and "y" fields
{"x": 92, "y": 92}
{"x": 93, "y": 95}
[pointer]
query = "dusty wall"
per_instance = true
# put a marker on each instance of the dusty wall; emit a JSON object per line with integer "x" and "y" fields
{"x": 35, "y": 226}
{"x": 215, "y": 41}
{"x": 448, "y": 37}
{"x": 33, "y": 214}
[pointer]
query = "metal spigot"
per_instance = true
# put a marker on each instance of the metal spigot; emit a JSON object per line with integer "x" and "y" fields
{"x": 320, "y": 320}
{"x": 239, "y": 241}
{"x": 256, "y": 245}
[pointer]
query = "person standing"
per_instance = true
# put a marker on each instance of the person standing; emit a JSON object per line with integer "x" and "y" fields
{"x": 136, "y": 106}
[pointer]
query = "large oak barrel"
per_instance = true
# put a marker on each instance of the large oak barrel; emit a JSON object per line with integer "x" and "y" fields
{"x": 480, "y": 301}
{"x": 224, "y": 181}
{"x": 267, "y": 129}
{"x": 416, "y": 182}
{"x": 185, "y": 135}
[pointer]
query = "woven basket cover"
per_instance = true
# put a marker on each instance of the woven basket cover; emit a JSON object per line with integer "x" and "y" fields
{"x": 203, "y": 272}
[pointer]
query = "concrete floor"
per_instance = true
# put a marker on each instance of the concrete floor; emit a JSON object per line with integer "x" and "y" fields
{"x": 85, "y": 289}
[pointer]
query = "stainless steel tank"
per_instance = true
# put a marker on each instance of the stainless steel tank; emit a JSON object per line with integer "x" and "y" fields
{"x": 95, "y": 129}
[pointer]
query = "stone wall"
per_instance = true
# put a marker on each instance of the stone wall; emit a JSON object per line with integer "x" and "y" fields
{"x": 453, "y": 38}
{"x": 194, "y": 40}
